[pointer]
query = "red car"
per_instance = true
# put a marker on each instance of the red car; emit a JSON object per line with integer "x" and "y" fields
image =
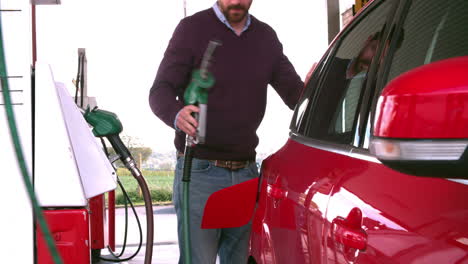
{"x": 376, "y": 166}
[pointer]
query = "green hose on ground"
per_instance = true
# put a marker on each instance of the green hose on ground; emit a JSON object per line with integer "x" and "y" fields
{"x": 20, "y": 156}
{"x": 195, "y": 94}
{"x": 185, "y": 204}
{"x": 186, "y": 225}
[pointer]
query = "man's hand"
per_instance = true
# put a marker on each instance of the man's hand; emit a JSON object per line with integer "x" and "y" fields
{"x": 186, "y": 122}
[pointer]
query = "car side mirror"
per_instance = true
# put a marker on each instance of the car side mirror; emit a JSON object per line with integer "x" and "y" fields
{"x": 421, "y": 121}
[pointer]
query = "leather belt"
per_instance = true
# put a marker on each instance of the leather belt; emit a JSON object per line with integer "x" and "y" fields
{"x": 231, "y": 164}
{"x": 227, "y": 164}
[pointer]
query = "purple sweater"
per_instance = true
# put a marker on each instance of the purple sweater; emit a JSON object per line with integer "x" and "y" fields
{"x": 242, "y": 67}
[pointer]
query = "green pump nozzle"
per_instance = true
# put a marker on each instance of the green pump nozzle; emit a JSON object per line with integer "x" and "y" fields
{"x": 197, "y": 91}
{"x": 104, "y": 123}
{"x": 107, "y": 124}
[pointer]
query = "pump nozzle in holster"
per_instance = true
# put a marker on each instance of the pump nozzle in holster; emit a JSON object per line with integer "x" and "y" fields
{"x": 107, "y": 124}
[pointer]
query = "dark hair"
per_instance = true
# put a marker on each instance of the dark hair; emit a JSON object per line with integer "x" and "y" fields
{"x": 401, "y": 36}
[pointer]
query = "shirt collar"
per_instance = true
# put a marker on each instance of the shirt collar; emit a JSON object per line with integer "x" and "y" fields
{"x": 223, "y": 19}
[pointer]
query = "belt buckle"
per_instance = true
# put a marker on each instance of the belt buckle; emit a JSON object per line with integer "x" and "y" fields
{"x": 231, "y": 165}
{"x": 223, "y": 164}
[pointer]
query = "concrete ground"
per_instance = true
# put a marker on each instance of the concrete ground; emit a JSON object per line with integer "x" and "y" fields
{"x": 165, "y": 246}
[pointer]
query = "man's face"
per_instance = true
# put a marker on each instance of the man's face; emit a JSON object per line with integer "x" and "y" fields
{"x": 234, "y": 10}
{"x": 367, "y": 53}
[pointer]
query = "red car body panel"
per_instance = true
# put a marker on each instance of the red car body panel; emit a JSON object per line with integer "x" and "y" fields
{"x": 404, "y": 219}
{"x": 407, "y": 219}
{"x": 298, "y": 216}
{"x": 422, "y": 92}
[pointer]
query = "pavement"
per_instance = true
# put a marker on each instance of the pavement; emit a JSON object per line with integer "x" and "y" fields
{"x": 165, "y": 246}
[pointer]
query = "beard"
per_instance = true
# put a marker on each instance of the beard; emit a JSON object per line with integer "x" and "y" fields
{"x": 235, "y": 13}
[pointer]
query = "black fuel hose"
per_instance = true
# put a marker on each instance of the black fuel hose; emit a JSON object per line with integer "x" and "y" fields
{"x": 78, "y": 79}
{"x": 149, "y": 214}
{"x": 118, "y": 259}
{"x": 130, "y": 163}
{"x": 124, "y": 244}
{"x": 126, "y": 201}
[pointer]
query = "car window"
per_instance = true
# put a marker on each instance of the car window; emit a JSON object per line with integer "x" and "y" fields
{"x": 334, "y": 112}
{"x": 300, "y": 116}
{"x": 433, "y": 30}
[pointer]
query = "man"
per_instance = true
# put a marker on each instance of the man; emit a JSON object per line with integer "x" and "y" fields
{"x": 250, "y": 58}
{"x": 362, "y": 62}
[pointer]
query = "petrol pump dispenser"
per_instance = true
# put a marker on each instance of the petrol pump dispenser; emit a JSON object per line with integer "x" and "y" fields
{"x": 107, "y": 124}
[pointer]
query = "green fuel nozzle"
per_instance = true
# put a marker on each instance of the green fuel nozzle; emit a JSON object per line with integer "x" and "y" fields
{"x": 197, "y": 92}
{"x": 107, "y": 124}
{"x": 104, "y": 123}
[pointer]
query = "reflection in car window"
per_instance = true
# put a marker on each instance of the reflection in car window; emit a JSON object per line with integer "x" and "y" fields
{"x": 434, "y": 30}
{"x": 344, "y": 116}
{"x": 300, "y": 117}
{"x": 334, "y": 113}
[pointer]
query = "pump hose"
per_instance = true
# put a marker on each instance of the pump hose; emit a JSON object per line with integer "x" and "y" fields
{"x": 20, "y": 156}
{"x": 185, "y": 204}
{"x": 148, "y": 208}
{"x": 130, "y": 164}
{"x": 117, "y": 257}
{"x": 126, "y": 200}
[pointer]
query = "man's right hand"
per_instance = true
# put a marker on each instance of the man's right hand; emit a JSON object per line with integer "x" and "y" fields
{"x": 186, "y": 122}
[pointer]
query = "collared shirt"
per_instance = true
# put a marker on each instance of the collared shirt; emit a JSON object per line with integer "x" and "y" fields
{"x": 223, "y": 19}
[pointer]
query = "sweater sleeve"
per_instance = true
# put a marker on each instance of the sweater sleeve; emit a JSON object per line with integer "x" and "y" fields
{"x": 166, "y": 94}
{"x": 285, "y": 80}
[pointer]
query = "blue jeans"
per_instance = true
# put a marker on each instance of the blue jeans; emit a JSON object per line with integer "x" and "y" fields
{"x": 230, "y": 243}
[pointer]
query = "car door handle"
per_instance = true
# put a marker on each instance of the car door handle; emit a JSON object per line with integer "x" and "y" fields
{"x": 348, "y": 232}
{"x": 348, "y": 236}
{"x": 276, "y": 192}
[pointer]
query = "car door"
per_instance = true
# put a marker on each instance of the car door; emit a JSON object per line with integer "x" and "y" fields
{"x": 394, "y": 217}
{"x": 298, "y": 180}
{"x": 279, "y": 229}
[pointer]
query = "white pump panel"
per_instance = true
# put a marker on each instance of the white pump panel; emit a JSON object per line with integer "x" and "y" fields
{"x": 70, "y": 166}
{"x": 96, "y": 173}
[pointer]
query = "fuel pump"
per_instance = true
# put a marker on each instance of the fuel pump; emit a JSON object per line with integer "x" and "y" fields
{"x": 107, "y": 124}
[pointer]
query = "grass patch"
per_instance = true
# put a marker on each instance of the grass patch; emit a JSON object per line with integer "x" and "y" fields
{"x": 159, "y": 184}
